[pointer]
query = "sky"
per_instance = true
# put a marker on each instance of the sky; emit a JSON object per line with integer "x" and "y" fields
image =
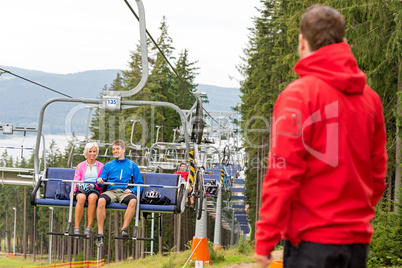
{"x": 69, "y": 36}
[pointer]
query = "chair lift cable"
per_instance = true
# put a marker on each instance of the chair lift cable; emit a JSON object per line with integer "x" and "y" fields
{"x": 26, "y": 79}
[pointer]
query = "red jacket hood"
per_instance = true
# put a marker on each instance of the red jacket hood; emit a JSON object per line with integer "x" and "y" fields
{"x": 336, "y": 65}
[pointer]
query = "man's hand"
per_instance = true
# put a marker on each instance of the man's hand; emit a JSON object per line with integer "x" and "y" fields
{"x": 127, "y": 191}
{"x": 99, "y": 181}
{"x": 263, "y": 260}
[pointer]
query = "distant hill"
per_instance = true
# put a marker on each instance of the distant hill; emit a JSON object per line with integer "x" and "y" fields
{"x": 220, "y": 98}
{"x": 21, "y": 101}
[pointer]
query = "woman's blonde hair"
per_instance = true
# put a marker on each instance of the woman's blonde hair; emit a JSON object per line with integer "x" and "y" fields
{"x": 88, "y": 147}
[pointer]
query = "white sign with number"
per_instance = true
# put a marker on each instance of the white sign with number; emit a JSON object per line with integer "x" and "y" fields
{"x": 199, "y": 264}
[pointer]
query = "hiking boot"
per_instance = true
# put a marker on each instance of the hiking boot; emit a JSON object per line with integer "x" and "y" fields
{"x": 99, "y": 240}
{"x": 77, "y": 232}
{"x": 124, "y": 232}
{"x": 87, "y": 232}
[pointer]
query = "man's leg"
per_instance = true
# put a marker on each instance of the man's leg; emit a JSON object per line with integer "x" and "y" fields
{"x": 130, "y": 211}
{"x": 103, "y": 201}
{"x": 359, "y": 255}
{"x": 101, "y": 213}
{"x": 317, "y": 255}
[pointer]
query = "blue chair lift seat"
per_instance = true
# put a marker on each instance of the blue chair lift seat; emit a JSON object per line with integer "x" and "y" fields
{"x": 155, "y": 180}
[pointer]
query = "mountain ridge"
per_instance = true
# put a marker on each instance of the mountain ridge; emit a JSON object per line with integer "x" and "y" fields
{"x": 22, "y": 101}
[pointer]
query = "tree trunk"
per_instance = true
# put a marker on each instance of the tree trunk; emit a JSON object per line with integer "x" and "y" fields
{"x": 175, "y": 231}
{"x": 133, "y": 249}
{"x": 6, "y": 244}
{"x": 185, "y": 229}
{"x": 398, "y": 141}
{"x": 85, "y": 247}
{"x": 178, "y": 232}
{"x": 160, "y": 234}
{"x": 121, "y": 242}
{"x": 109, "y": 244}
{"x": 257, "y": 191}
{"x": 142, "y": 232}
{"x": 63, "y": 239}
{"x": 41, "y": 247}
{"x": 25, "y": 231}
{"x": 75, "y": 248}
{"x": 116, "y": 241}
{"x": 34, "y": 219}
{"x": 69, "y": 243}
{"x": 262, "y": 172}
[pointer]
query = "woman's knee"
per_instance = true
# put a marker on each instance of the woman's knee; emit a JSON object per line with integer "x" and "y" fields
{"x": 81, "y": 198}
{"x": 92, "y": 198}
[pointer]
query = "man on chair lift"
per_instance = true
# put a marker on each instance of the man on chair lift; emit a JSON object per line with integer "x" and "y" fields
{"x": 120, "y": 170}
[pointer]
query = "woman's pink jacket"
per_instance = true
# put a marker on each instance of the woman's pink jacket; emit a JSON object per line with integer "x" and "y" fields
{"x": 80, "y": 173}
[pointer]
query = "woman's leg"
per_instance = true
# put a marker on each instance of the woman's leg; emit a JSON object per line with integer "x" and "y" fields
{"x": 79, "y": 208}
{"x": 92, "y": 198}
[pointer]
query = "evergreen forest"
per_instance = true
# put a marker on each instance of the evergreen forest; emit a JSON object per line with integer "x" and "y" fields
{"x": 374, "y": 32}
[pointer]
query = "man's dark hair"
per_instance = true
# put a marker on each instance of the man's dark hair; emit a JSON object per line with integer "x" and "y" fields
{"x": 322, "y": 25}
{"x": 119, "y": 143}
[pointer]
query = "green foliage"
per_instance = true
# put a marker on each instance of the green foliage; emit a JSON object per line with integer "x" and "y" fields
{"x": 386, "y": 248}
{"x": 245, "y": 247}
{"x": 214, "y": 255}
{"x": 189, "y": 244}
{"x": 79, "y": 256}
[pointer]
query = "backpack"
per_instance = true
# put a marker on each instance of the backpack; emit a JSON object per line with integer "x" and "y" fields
{"x": 63, "y": 191}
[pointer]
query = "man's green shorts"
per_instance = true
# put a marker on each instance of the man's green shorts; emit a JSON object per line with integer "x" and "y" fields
{"x": 117, "y": 196}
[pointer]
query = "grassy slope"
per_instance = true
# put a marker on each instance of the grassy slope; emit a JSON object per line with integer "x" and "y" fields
{"x": 223, "y": 258}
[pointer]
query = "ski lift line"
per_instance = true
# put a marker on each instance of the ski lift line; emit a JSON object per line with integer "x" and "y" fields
{"x": 210, "y": 116}
{"x": 26, "y": 79}
{"x": 157, "y": 46}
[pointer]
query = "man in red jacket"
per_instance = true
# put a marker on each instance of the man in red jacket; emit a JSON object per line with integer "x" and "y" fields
{"x": 327, "y": 163}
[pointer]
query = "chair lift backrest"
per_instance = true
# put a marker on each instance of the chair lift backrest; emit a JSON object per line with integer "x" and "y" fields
{"x": 214, "y": 176}
{"x": 56, "y": 173}
{"x": 163, "y": 179}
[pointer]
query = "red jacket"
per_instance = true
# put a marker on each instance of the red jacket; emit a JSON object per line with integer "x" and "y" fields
{"x": 327, "y": 163}
{"x": 183, "y": 174}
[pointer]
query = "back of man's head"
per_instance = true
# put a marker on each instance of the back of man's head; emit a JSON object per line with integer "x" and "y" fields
{"x": 321, "y": 26}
